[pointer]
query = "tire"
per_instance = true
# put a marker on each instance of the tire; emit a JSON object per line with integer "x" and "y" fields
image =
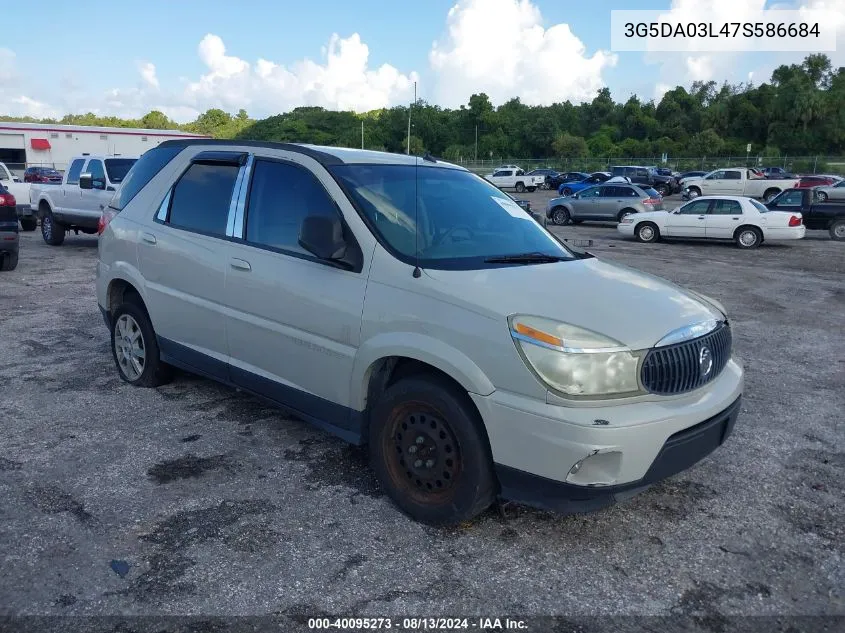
{"x": 52, "y": 231}
{"x": 131, "y": 322}
{"x": 647, "y": 232}
{"x": 769, "y": 194}
{"x": 663, "y": 190}
{"x": 428, "y": 419}
{"x": 9, "y": 261}
{"x": 567, "y": 191}
{"x": 560, "y": 216}
{"x": 29, "y": 224}
{"x": 837, "y": 231}
{"x": 822, "y": 196}
{"x": 623, "y": 213}
{"x": 748, "y": 237}
{"x": 694, "y": 192}
{"x": 532, "y": 189}
{"x": 520, "y": 187}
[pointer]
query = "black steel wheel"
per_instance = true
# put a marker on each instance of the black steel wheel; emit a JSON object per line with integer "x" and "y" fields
{"x": 430, "y": 452}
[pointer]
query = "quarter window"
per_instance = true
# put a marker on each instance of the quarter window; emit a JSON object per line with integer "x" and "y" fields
{"x": 733, "y": 175}
{"x": 200, "y": 200}
{"x": 74, "y": 171}
{"x": 280, "y": 198}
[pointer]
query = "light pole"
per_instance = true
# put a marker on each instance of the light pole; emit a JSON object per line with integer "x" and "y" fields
{"x": 409, "y": 120}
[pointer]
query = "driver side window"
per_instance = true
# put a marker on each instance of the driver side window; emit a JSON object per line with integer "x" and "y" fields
{"x": 696, "y": 207}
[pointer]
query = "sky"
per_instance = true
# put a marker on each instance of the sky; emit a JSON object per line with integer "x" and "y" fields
{"x": 117, "y": 58}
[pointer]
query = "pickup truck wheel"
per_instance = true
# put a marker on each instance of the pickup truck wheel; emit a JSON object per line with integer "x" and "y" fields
{"x": 560, "y": 216}
{"x": 29, "y": 224}
{"x": 520, "y": 187}
{"x": 53, "y": 232}
{"x": 770, "y": 193}
{"x": 430, "y": 452}
{"x": 837, "y": 231}
{"x": 135, "y": 348}
{"x": 822, "y": 196}
{"x": 647, "y": 232}
{"x": 748, "y": 237}
{"x": 8, "y": 261}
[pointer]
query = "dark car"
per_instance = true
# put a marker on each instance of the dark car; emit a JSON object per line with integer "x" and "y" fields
{"x": 46, "y": 175}
{"x": 568, "y": 188}
{"x": 647, "y": 176}
{"x": 817, "y": 214}
{"x": 808, "y": 182}
{"x": 569, "y": 176}
{"x": 777, "y": 173}
{"x": 9, "y": 237}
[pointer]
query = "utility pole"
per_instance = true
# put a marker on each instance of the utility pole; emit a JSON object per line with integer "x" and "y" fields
{"x": 409, "y": 120}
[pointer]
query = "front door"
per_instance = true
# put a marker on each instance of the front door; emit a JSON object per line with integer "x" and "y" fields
{"x": 689, "y": 220}
{"x": 588, "y": 204}
{"x": 294, "y": 320}
{"x": 95, "y": 200}
{"x": 724, "y": 218}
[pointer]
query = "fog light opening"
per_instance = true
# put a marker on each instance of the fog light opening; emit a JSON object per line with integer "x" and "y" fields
{"x": 596, "y": 469}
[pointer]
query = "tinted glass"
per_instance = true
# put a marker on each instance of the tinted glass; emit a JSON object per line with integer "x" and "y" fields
{"x": 74, "y": 171}
{"x": 455, "y": 219}
{"x": 790, "y": 199}
{"x": 841, "y": 183}
{"x": 610, "y": 192}
{"x": 95, "y": 168}
{"x": 280, "y": 197}
{"x": 651, "y": 192}
{"x": 592, "y": 192}
{"x": 201, "y": 198}
{"x": 144, "y": 170}
{"x": 641, "y": 173}
{"x": 733, "y": 175}
{"x": 726, "y": 207}
{"x": 758, "y": 205}
{"x": 696, "y": 207}
{"x": 618, "y": 171}
{"x": 117, "y": 168}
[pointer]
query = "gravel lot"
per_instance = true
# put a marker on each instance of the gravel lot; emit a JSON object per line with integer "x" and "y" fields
{"x": 213, "y": 503}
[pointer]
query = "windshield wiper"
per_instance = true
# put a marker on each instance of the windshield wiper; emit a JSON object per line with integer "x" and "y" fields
{"x": 527, "y": 258}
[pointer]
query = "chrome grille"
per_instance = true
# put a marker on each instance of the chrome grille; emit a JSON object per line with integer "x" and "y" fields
{"x": 677, "y": 368}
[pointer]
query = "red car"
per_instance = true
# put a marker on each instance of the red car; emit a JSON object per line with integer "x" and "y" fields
{"x": 808, "y": 182}
{"x": 42, "y": 174}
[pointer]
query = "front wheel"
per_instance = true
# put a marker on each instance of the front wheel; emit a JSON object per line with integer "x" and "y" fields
{"x": 52, "y": 231}
{"x": 748, "y": 237}
{"x": 693, "y": 193}
{"x": 560, "y": 216}
{"x": 837, "y": 231}
{"x": 429, "y": 451}
{"x": 29, "y": 224}
{"x": 520, "y": 187}
{"x": 822, "y": 196}
{"x": 647, "y": 232}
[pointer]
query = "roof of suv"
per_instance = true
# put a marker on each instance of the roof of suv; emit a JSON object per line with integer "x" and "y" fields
{"x": 322, "y": 153}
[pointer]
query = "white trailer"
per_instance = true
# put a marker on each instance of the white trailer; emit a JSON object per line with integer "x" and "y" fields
{"x": 25, "y": 145}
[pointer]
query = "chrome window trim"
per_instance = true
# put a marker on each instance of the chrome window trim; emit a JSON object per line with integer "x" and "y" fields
{"x": 161, "y": 214}
{"x": 239, "y": 200}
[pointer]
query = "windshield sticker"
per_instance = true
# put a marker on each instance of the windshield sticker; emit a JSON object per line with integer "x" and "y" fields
{"x": 512, "y": 207}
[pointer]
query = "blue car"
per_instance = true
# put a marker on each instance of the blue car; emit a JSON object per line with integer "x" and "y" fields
{"x": 568, "y": 188}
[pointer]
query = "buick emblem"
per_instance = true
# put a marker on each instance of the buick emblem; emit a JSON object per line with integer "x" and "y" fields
{"x": 705, "y": 361}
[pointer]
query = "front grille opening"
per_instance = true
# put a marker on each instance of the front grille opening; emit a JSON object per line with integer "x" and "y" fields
{"x": 686, "y": 366}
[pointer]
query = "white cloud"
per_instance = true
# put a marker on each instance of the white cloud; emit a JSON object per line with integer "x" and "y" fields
{"x": 500, "y": 47}
{"x": 148, "y": 74}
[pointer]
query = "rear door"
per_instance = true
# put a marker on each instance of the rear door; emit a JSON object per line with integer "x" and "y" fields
{"x": 689, "y": 220}
{"x": 182, "y": 256}
{"x": 723, "y": 219}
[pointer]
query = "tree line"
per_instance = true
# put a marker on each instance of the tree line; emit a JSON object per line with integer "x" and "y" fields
{"x": 798, "y": 112}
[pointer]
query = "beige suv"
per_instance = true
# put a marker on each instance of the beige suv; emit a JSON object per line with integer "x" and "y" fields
{"x": 407, "y": 304}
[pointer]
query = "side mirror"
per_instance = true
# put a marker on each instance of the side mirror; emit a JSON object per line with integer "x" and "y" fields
{"x": 322, "y": 236}
{"x": 86, "y": 181}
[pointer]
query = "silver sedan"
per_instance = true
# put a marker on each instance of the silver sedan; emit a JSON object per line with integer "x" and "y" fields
{"x": 831, "y": 192}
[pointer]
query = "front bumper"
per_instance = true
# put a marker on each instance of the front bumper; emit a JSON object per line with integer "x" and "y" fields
{"x": 536, "y": 445}
{"x": 626, "y": 229}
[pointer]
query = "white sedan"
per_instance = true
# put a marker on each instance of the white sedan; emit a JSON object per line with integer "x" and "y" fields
{"x": 744, "y": 221}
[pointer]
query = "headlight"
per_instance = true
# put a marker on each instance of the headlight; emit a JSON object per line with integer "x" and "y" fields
{"x": 627, "y": 220}
{"x": 575, "y": 361}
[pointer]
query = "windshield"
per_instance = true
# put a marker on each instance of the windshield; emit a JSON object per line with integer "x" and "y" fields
{"x": 463, "y": 220}
{"x": 117, "y": 168}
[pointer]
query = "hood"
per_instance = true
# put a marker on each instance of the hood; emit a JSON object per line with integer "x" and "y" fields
{"x": 634, "y": 308}
{"x": 652, "y": 214}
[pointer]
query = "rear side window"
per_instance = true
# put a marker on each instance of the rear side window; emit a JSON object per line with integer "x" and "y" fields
{"x": 726, "y": 207}
{"x": 74, "y": 171}
{"x": 281, "y": 196}
{"x": 144, "y": 170}
{"x": 733, "y": 175}
{"x": 117, "y": 168}
{"x": 200, "y": 200}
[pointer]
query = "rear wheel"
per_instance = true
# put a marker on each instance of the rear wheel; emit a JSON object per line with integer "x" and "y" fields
{"x": 429, "y": 451}
{"x": 135, "y": 348}
{"x": 748, "y": 237}
{"x": 837, "y": 230}
{"x": 520, "y": 187}
{"x": 29, "y": 224}
{"x": 567, "y": 191}
{"x": 822, "y": 196}
{"x": 694, "y": 192}
{"x": 560, "y": 216}
{"x": 771, "y": 193}
{"x": 647, "y": 232}
{"x": 9, "y": 261}
{"x": 52, "y": 231}
{"x": 623, "y": 213}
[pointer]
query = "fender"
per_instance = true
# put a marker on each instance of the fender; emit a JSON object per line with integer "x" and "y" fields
{"x": 123, "y": 271}
{"x": 420, "y": 347}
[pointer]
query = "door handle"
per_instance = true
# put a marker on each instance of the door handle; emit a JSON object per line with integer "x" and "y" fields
{"x": 148, "y": 237}
{"x": 701, "y": 217}
{"x": 734, "y": 218}
{"x": 240, "y": 264}
{"x": 102, "y": 207}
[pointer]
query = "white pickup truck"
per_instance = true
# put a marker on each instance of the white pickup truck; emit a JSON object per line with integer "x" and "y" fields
{"x": 20, "y": 190}
{"x": 515, "y": 179}
{"x": 736, "y": 181}
{"x": 70, "y": 207}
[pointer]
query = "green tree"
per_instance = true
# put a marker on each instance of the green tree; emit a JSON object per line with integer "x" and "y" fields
{"x": 569, "y": 146}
